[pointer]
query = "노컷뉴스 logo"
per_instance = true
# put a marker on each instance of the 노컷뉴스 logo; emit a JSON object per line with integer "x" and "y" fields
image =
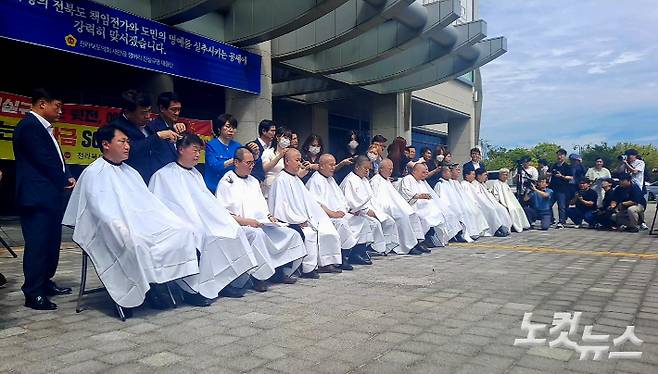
{"x": 564, "y": 328}
{"x": 71, "y": 40}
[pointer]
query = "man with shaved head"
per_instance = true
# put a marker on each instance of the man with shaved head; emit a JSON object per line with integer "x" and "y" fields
{"x": 471, "y": 207}
{"x": 356, "y": 230}
{"x": 387, "y": 199}
{"x": 435, "y": 217}
{"x": 290, "y": 202}
{"x": 359, "y": 198}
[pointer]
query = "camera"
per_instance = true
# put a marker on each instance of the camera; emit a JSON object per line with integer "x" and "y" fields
{"x": 622, "y": 157}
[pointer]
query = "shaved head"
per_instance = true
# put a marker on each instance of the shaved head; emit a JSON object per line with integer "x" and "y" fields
{"x": 326, "y": 157}
{"x": 386, "y": 168}
{"x": 420, "y": 171}
{"x": 387, "y": 162}
{"x": 362, "y": 166}
{"x": 327, "y": 165}
{"x": 292, "y": 152}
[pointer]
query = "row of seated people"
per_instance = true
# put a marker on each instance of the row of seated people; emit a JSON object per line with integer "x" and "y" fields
{"x": 174, "y": 231}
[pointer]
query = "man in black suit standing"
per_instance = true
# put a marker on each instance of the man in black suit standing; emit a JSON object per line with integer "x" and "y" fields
{"x": 476, "y": 162}
{"x": 164, "y": 151}
{"x": 41, "y": 180}
{"x": 147, "y": 147}
{"x": 266, "y": 133}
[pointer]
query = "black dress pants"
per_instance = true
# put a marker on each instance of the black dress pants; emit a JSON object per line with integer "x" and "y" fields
{"x": 42, "y": 231}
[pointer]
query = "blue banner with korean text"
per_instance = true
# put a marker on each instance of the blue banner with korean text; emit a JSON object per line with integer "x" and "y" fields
{"x": 91, "y": 29}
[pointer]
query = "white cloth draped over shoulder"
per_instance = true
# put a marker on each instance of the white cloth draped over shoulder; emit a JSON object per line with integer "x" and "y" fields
{"x": 471, "y": 206}
{"x": 292, "y": 203}
{"x": 225, "y": 253}
{"x": 503, "y": 193}
{"x": 472, "y": 227}
{"x": 359, "y": 197}
{"x": 352, "y": 229}
{"x": 242, "y": 196}
{"x": 387, "y": 199}
{"x": 495, "y": 214}
{"x": 132, "y": 238}
{"x": 430, "y": 211}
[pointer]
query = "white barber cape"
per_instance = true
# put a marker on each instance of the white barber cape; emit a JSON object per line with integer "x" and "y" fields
{"x": 242, "y": 196}
{"x": 446, "y": 190}
{"x": 431, "y": 212}
{"x": 290, "y": 201}
{"x": 225, "y": 253}
{"x": 359, "y": 198}
{"x": 132, "y": 238}
{"x": 387, "y": 199}
{"x": 503, "y": 193}
{"x": 352, "y": 229}
{"x": 495, "y": 214}
{"x": 471, "y": 207}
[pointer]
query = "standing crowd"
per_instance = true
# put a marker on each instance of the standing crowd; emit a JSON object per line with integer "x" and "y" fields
{"x": 266, "y": 211}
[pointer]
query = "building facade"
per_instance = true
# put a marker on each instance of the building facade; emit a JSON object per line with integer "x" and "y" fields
{"x": 393, "y": 67}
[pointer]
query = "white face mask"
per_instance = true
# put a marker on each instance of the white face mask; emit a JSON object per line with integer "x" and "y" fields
{"x": 314, "y": 150}
{"x": 440, "y": 158}
{"x": 372, "y": 156}
{"x": 284, "y": 142}
{"x": 353, "y": 144}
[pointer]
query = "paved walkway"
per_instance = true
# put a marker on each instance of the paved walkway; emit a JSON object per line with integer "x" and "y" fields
{"x": 458, "y": 310}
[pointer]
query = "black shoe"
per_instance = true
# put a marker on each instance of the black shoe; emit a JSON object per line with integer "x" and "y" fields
{"x": 3, "y": 280}
{"x": 158, "y": 297}
{"x": 232, "y": 292}
{"x": 329, "y": 269}
{"x": 359, "y": 260}
{"x": 259, "y": 285}
{"x": 196, "y": 299}
{"x": 39, "y": 302}
{"x": 632, "y": 229}
{"x": 345, "y": 265}
{"x": 53, "y": 290}
{"x": 414, "y": 251}
{"x": 311, "y": 275}
{"x": 423, "y": 249}
{"x": 288, "y": 280}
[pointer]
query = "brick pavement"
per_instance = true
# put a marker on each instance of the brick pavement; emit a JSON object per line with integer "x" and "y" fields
{"x": 457, "y": 310}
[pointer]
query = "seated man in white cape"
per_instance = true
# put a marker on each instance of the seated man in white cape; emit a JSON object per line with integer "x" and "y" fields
{"x": 134, "y": 241}
{"x": 241, "y": 194}
{"x": 387, "y": 199}
{"x": 225, "y": 254}
{"x": 503, "y": 193}
{"x": 467, "y": 197}
{"x": 441, "y": 226}
{"x": 359, "y": 198}
{"x": 292, "y": 203}
{"x": 356, "y": 231}
{"x": 446, "y": 190}
{"x": 498, "y": 225}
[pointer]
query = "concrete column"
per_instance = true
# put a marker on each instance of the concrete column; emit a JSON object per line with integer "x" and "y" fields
{"x": 461, "y": 138}
{"x": 157, "y": 84}
{"x": 391, "y": 116}
{"x": 250, "y": 109}
{"x": 320, "y": 123}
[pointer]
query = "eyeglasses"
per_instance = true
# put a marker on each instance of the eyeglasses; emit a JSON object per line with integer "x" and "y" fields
{"x": 249, "y": 163}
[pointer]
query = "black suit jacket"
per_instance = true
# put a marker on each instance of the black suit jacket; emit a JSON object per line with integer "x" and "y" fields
{"x": 258, "y": 172}
{"x": 468, "y": 167}
{"x": 40, "y": 180}
{"x": 147, "y": 152}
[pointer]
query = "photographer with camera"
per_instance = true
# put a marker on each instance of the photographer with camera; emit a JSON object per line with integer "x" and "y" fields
{"x": 629, "y": 203}
{"x": 561, "y": 175}
{"x": 605, "y": 211}
{"x": 633, "y": 165}
{"x": 585, "y": 205}
{"x": 526, "y": 175}
{"x": 541, "y": 201}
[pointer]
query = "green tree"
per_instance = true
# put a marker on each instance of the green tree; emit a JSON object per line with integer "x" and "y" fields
{"x": 546, "y": 151}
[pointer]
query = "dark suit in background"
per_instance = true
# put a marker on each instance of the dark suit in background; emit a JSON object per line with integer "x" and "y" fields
{"x": 468, "y": 167}
{"x": 40, "y": 183}
{"x": 148, "y": 152}
{"x": 258, "y": 172}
